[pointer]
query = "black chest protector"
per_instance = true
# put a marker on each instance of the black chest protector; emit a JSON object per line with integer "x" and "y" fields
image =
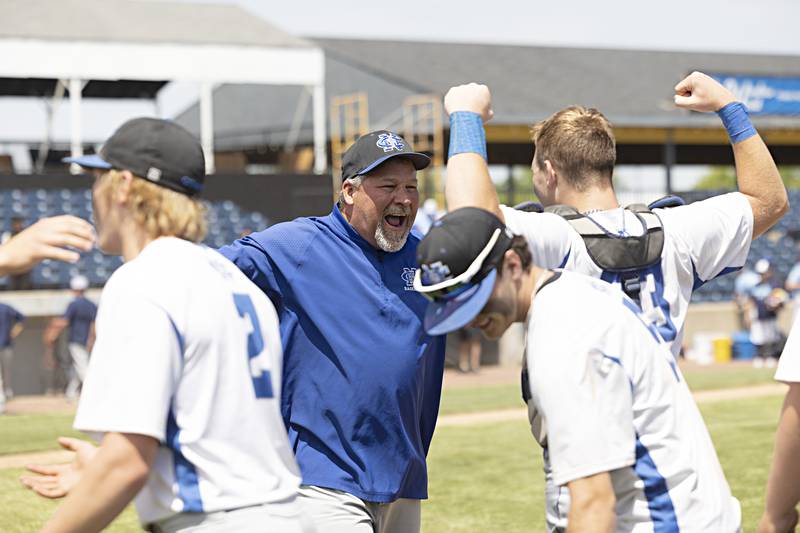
{"x": 625, "y": 255}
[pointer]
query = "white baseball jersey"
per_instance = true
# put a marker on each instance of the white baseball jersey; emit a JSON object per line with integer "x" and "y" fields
{"x": 702, "y": 240}
{"x": 612, "y": 399}
{"x": 789, "y": 363}
{"x": 188, "y": 352}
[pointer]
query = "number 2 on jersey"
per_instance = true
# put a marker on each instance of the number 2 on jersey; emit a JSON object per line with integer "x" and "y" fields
{"x": 262, "y": 382}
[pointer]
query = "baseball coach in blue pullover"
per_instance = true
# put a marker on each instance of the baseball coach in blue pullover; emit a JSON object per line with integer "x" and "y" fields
{"x": 361, "y": 378}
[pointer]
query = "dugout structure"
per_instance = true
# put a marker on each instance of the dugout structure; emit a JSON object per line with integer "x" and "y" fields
{"x": 633, "y": 88}
{"x": 122, "y": 49}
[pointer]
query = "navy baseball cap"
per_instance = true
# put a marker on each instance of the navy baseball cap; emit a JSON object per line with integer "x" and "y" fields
{"x": 157, "y": 150}
{"x": 372, "y": 149}
{"x": 458, "y": 261}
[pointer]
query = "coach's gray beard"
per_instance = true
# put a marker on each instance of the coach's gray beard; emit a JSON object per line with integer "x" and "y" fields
{"x": 389, "y": 242}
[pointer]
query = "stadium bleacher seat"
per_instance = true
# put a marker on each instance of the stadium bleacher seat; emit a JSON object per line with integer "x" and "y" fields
{"x": 226, "y": 222}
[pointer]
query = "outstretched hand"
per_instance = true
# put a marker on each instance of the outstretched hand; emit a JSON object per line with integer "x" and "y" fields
{"x": 472, "y": 97}
{"x": 700, "y": 92}
{"x": 48, "y": 238}
{"x": 55, "y": 481}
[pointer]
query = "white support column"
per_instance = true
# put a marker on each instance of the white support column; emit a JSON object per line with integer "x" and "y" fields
{"x": 76, "y": 140}
{"x": 207, "y": 123}
{"x": 297, "y": 121}
{"x": 320, "y": 137}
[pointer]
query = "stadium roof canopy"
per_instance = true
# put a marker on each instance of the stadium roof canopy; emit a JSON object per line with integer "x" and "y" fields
{"x": 132, "y": 48}
{"x": 633, "y": 88}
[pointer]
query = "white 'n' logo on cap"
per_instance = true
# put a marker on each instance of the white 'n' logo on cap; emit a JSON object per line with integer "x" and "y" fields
{"x": 435, "y": 273}
{"x": 153, "y": 174}
{"x": 389, "y": 142}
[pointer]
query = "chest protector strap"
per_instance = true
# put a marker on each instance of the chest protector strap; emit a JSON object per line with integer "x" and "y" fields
{"x": 626, "y": 255}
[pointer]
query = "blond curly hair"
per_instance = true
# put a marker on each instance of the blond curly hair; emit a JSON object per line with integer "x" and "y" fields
{"x": 163, "y": 212}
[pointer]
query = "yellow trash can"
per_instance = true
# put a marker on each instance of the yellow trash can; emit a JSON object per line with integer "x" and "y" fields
{"x": 722, "y": 349}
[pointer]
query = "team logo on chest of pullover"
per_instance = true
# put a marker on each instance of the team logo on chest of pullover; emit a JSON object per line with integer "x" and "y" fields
{"x": 390, "y": 142}
{"x": 408, "y": 277}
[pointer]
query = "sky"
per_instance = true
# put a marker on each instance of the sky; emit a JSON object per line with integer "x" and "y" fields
{"x": 752, "y": 26}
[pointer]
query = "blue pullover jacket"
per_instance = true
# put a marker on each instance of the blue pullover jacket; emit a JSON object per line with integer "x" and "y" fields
{"x": 361, "y": 379}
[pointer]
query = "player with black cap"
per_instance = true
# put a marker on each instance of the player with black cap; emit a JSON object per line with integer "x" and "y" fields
{"x": 362, "y": 378}
{"x": 183, "y": 385}
{"x": 624, "y": 434}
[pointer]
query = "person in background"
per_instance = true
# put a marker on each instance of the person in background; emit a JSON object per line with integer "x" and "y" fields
{"x": 469, "y": 350}
{"x": 10, "y": 327}
{"x": 765, "y": 301}
{"x": 742, "y": 286}
{"x": 426, "y": 216}
{"x": 79, "y": 317}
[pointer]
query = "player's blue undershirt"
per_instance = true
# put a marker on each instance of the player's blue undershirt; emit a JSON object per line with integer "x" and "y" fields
{"x": 361, "y": 380}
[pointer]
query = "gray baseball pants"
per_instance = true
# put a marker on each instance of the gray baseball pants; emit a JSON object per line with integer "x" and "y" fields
{"x": 281, "y": 517}
{"x": 335, "y": 511}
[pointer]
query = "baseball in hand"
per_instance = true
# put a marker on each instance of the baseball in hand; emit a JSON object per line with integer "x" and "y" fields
{"x": 472, "y": 97}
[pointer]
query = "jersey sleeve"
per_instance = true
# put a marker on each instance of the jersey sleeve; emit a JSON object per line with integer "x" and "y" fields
{"x": 789, "y": 362}
{"x": 548, "y": 235}
{"x": 18, "y": 317}
{"x": 134, "y": 368}
{"x": 717, "y": 232}
{"x": 586, "y": 400}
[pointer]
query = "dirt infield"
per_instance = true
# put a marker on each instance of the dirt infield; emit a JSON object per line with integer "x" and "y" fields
{"x": 505, "y": 375}
{"x": 502, "y": 415}
{"x": 37, "y": 405}
{"x": 19, "y": 460}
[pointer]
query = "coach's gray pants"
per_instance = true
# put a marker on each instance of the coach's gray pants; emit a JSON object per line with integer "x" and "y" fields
{"x": 281, "y": 517}
{"x": 335, "y": 511}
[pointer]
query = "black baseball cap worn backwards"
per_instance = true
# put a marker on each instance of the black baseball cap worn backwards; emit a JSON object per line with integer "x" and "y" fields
{"x": 157, "y": 150}
{"x": 372, "y": 149}
{"x": 458, "y": 261}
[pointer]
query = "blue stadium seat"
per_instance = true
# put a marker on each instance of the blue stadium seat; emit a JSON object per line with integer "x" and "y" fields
{"x": 226, "y": 221}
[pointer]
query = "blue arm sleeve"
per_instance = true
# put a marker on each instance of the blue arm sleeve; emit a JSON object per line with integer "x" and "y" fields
{"x": 253, "y": 260}
{"x": 18, "y": 317}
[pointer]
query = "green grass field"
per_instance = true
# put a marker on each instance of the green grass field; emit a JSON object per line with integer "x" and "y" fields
{"x": 488, "y": 477}
{"x": 491, "y": 397}
{"x": 31, "y": 433}
{"x": 483, "y": 478}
